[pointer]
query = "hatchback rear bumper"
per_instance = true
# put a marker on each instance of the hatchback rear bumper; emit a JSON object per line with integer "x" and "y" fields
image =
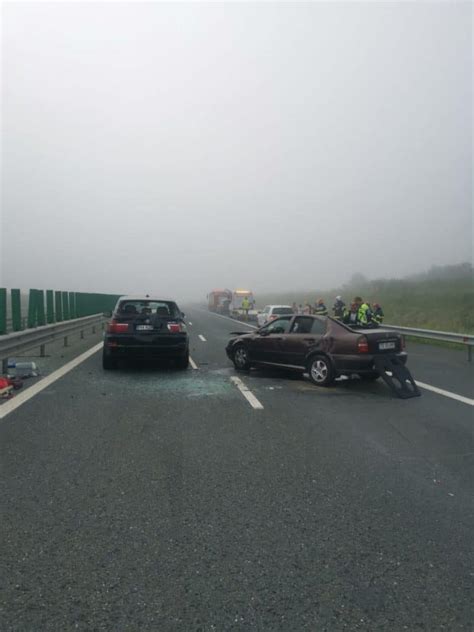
{"x": 116, "y": 349}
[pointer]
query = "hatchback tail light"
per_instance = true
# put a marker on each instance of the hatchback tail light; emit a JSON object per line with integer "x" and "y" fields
{"x": 362, "y": 345}
{"x": 117, "y": 328}
{"x": 176, "y": 328}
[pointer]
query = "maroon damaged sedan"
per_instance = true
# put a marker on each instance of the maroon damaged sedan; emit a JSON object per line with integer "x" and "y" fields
{"x": 320, "y": 346}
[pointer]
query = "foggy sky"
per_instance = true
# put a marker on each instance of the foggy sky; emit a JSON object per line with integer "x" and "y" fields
{"x": 173, "y": 148}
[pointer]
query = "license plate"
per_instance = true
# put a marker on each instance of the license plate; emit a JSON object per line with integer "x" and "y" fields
{"x": 383, "y": 346}
{"x": 144, "y": 327}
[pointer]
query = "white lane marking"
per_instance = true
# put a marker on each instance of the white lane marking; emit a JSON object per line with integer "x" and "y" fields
{"x": 201, "y": 337}
{"x": 26, "y": 395}
{"x": 241, "y": 322}
{"x": 192, "y": 363}
{"x": 190, "y": 324}
{"x": 440, "y": 391}
{"x": 249, "y": 396}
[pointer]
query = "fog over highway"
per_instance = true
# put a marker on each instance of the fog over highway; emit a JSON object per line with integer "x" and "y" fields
{"x": 177, "y": 147}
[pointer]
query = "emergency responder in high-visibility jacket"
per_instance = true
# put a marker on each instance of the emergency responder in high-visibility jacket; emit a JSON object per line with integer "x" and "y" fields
{"x": 320, "y": 308}
{"x": 246, "y": 307}
{"x": 364, "y": 313}
{"x": 377, "y": 314}
{"x": 339, "y": 308}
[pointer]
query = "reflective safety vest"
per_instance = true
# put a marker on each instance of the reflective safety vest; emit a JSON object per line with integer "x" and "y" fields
{"x": 321, "y": 310}
{"x": 378, "y": 315}
{"x": 245, "y": 303}
{"x": 364, "y": 315}
{"x": 338, "y": 309}
{"x": 350, "y": 318}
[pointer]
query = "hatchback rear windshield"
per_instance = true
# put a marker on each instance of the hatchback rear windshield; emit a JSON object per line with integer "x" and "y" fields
{"x": 165, "y": 309}
{"x": 282, "y": 310}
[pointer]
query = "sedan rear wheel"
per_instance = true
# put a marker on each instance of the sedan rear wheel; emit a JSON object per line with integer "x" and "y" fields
{"x": 320, "y": 371}
{"x": 241, "y": 359}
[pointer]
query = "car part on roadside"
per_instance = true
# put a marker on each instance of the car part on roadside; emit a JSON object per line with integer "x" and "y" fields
{"x": 5, "y": 388}
{"x": 397, "y": 377}
{"x": 23, "y": 369}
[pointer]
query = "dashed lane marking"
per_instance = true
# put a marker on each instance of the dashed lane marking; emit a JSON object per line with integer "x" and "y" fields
{"x": 23, "y": 397}
{"x": 192, "y": 363}
{"x": 241, "y": 322}
{"x": 247, "y": 393}
{"x": 201, "y": 337}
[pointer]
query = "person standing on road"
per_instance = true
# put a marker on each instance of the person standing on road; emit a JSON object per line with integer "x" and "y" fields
{"x": 350, "y": 316}
{"x": 321, "y": 309}
{"x": 377, "y": 314}
{"x": 294, "y": 308}
{"x": 339, "y": 308}
{"x": 364, "y": 313}
{"x": 246, "y": 307}
{"x": 307, "y": 308}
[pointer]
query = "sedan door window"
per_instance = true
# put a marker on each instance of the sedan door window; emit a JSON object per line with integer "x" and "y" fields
{"x": 278, "y": 326}
{"x": 302, "y": 325}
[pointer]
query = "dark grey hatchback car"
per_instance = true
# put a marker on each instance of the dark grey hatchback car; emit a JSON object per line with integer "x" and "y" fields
{"x": 146, "y": 327}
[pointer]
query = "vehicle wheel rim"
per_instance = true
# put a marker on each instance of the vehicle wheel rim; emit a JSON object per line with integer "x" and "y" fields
{"x": 319, "y": 371}
{"x": 240, "y": 357}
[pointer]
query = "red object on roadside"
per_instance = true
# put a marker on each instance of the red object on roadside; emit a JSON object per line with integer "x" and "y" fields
{"x": 4, "y": 383}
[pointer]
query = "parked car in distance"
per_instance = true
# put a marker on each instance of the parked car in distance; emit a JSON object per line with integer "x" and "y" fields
{"x": 142, "y": 327}
{"x": 270, "y": 312}
{"x": 321, "y": 346}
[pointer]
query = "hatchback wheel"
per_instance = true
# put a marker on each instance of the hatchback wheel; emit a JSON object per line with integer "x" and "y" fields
{"x": 241, "y": 359}
{"x": 320, "y": 371}
{"x": 182, "y": 363}
{"x": 108, "y": 363}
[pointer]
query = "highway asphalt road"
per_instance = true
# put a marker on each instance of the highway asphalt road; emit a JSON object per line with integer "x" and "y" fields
{"x": 153, "y": 499}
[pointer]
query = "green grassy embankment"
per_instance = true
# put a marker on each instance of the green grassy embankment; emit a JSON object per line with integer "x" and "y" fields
{"x": 437, "y": 303}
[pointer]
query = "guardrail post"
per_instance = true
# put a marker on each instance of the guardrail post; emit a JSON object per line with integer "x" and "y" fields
{"x": 66, "y": 341}
{"x": 18, "y": 322}
{"x": 58, "y": 306}
{"x": 93, "y": 329}
{"x": 3, "y": 310}
{"x": 5, "y": 366}
{"x": 469, "y": 353}
{"x": 82, "y": 334}
{"x": 50, "y": 306}
{"x": 42, "y": 351}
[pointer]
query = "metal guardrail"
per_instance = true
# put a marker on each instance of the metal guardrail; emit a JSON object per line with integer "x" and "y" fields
{"x": 19, "y": 341}
{"x": 431, "y": 334}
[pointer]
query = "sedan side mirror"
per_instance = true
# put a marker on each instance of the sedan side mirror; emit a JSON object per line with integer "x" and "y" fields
{"x": 263, "y": 332}
{"x": 183, "y": 314}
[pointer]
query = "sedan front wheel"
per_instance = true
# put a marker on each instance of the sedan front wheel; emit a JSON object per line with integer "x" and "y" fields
{"x": 241, "y": 358}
